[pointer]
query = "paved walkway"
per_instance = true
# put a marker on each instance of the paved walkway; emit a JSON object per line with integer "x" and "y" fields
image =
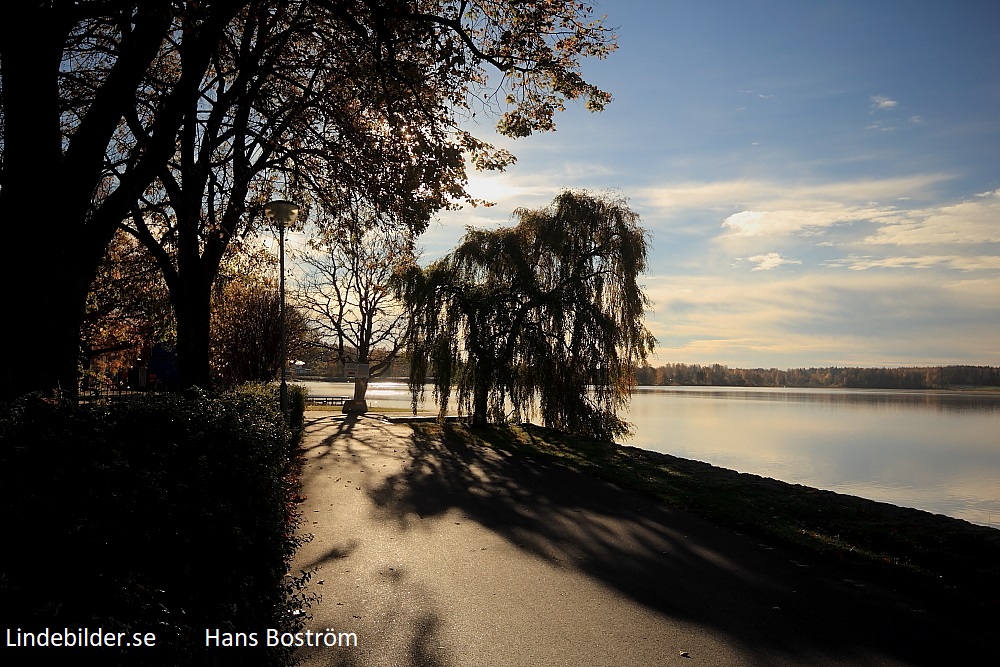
{"x": 475, "y": 558}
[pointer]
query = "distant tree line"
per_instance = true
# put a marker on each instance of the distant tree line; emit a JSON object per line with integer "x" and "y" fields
{"x": 925, "y": 377}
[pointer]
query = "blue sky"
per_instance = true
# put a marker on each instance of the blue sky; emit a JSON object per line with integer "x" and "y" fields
{"x": 821, "y": 180}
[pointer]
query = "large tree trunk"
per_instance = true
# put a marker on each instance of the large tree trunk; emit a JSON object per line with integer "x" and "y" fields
{"x": 46, "y": 275}
{"x": 52, "y": 239}
{"x": 41, "y": 339}
{"x": 360, "y": 388}
{"x": 193, "y": 310}
{"x": 37, "y": 270}
{"x": 480, "y": 404}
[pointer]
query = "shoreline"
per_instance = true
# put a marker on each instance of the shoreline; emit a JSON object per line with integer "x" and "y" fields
{"x": 949, "y": 387}
{"x": 810, "y": 436}
{"x": 984, "y": 389}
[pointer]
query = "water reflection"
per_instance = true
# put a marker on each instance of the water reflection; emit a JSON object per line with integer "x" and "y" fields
{"x": 950, "y": 401}
{"x": 936, "y": 451}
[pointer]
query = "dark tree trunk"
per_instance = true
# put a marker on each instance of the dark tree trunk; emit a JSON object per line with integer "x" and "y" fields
{"x": 193, "y": 310}
{"x": 360, "y": 388}
{"x": 53, "y": 239}
{"x": 41, "y": 342}
{"x": 41, "y": 267}
{"x": 480, "y": 404}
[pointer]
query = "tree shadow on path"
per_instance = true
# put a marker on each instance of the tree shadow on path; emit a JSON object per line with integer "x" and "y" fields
{"x": 347, "y": 452}
{"x": 776, "y": 609}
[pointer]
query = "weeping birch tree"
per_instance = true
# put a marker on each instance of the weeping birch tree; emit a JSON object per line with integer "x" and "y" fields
{"x": 546, "y": 316}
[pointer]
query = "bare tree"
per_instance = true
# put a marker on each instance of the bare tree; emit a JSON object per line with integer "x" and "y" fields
{"x": 346, "y": 293}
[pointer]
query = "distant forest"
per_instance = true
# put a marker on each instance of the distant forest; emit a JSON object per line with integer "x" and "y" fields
{"x": 931, "y": 377}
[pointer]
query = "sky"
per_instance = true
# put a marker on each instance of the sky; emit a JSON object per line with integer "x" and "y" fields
{"x": 821, "y": 181}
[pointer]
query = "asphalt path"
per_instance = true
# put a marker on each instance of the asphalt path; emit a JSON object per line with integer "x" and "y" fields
{"x": 474, "y": 557}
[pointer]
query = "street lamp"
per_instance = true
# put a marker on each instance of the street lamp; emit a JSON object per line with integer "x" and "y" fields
{"x": 282, "y": 213}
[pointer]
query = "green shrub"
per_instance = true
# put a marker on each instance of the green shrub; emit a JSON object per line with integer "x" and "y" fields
{"x": 295, "y": 417}
{"x": 168, "y": 515}
{"x": 297, "y": 395}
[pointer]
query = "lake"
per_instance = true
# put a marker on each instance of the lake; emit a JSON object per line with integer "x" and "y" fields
{"x": 934, "y": 450}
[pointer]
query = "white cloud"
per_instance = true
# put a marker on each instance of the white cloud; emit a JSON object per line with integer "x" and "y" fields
{"x": 771, "y": 260}
{"x": 956, "y": 262}
{"x": 966, "y": 222}
{"x": 793, "y": 221}
{"x": 676, "y": 198}
{"x": 827, "y": 318}
{"x": 950, "y": 237}
{"x": 883, "y": 102}
{"x": 881, "y": 126}
{"x": 505, "y": 187}
{"x": 764, "y": 209}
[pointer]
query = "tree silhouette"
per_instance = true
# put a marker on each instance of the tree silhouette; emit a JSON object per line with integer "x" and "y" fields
{"x": 114, "y": 95}
{"x": 246, "y": 331}
{"x": 346, "y": 293}
{"x": 545, "y": 314}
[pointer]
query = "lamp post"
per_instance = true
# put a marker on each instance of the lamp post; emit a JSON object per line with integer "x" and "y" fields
{"x": 282, "y": 213}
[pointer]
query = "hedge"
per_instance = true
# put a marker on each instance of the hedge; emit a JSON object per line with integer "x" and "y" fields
{"x": 168, "y": 515}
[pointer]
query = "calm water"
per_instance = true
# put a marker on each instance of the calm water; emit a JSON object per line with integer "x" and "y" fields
{"x": 936, "y": 451}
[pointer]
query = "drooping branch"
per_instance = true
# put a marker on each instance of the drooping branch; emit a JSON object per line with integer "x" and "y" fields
{"x": 547, "y": 313}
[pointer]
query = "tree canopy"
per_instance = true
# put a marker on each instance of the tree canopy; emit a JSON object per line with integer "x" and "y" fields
{"x": 297, "y": 103}
{"x": 246, "y": 330}
{"x": 547, "y": 315}
{"x": 173, "y": 108}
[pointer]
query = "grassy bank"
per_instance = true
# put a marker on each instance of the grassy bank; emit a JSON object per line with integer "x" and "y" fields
{"x": 940, "y": 558}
